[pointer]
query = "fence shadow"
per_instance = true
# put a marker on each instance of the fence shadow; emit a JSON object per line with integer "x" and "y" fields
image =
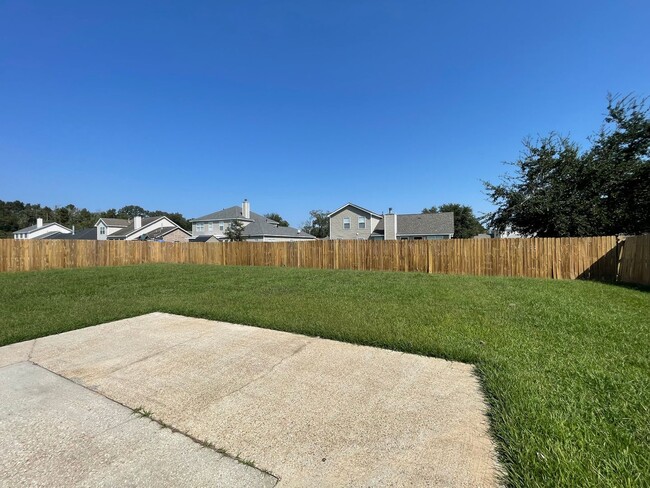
{"x": 603, "y": 269}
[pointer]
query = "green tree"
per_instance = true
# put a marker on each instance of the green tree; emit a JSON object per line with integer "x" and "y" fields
{"x": 276, "y": 217}
{"x": 557, "y": 190}
{"x": 85, "y": 219}
{"x": 235, "y": 230}
{"x": 620, "y": 167}
{"x": 130, "y": 211}
{"x": 318, "y": 224}
{"x": 466, "y": 225}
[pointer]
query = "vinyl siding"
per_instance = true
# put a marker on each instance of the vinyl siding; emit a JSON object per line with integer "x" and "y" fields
{"x": 336, "y": 224}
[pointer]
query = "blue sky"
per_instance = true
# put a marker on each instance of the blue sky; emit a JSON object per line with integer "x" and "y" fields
{"x": 193, "y": 106}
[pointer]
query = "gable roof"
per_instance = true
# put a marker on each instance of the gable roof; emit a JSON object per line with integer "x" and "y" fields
{"x": 350, "y": 204}
{"x": 81, "y": 234}
{"x": 203, "y": 238}
{"x": 264, "y": 227}
{"x": 163, "y": 231}
{"x": 146, "y": 221}
{"x": 47, "y": 235}
{"x": 113, "y": 222}
{"x": 34, "y": 227}
{"x": 421, "y": 224}
{"x": 229, "y": 213}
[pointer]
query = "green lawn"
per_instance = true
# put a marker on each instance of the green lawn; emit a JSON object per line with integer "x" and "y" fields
{"x": 565, "y": 364}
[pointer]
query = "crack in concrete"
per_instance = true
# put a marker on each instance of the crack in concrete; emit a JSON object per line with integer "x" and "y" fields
{"x": 31, "y": 350}
{"x": 112, "y": 427}
{"x": 111, "y": 371}
{"x": 265, "y": 373}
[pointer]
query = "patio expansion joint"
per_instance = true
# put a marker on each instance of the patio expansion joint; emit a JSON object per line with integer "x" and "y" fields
{"x": 157, "y": 353}
{"x": 163, "y": 425}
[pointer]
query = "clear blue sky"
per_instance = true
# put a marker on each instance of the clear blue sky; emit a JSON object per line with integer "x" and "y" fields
{"x": 193, "y": 106}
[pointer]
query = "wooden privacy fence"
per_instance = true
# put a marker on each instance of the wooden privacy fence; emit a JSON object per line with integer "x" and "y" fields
{"x": 563, "y": 258}
{"x": 634, "y": 260}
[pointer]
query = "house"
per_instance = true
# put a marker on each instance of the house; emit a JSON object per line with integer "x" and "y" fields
{"x": 257, "y": 228}
{"x": 354, "y": 222}
{"x": 141, "y": 228}
{"x": 41, "y": 230}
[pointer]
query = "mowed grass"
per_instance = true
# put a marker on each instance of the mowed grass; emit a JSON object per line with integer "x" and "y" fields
{"x": 565, "y": 365}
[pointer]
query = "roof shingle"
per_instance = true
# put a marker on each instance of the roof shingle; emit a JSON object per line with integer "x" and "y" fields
{"x": 259, "y": 225}
{"x": 422, "y": 224}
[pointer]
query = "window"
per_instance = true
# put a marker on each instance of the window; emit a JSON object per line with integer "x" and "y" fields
{"x": 102, "y": 230}
{"x": 362, "y": 222}
{"x": 221, "y": 226}
{"x": 210, "y": 226}
{"x": 346, "y": 222}
{"x": 199, "y": 227}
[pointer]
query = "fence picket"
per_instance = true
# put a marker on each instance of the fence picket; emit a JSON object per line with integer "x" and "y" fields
{"x": 564, "y": 258}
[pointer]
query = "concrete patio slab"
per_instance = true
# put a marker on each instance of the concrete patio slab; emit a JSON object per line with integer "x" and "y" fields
{"x": 15, "y": 353}
{"x": 57, "y": 433}
{"x": 312, "y": 412}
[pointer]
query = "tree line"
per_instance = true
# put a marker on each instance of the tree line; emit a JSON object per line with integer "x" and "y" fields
{"x": 18, "y": 215}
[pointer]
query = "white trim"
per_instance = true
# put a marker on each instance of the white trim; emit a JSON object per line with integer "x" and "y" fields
{"x": 350, "y": 204}
{"x": 145, "y": 226}
{"x": 114, "y": 225}
{"x": 175, "y": 229}
{"x": 23, "y": 231}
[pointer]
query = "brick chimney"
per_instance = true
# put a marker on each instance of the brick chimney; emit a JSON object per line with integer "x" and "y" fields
{"x": 137, "y": 222}
{"x": 246, "y": 209}
{"x": 39, "y": 223}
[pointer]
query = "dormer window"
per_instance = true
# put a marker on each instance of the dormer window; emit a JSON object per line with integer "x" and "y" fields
{"x": 102, "y": 230}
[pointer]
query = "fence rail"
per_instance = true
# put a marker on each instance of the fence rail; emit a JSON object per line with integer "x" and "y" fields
{"x": 561, "y": 258}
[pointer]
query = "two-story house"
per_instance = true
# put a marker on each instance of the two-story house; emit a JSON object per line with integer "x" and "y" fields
{"x": 257, "y": 228}
{"x": 354, "y": 222}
